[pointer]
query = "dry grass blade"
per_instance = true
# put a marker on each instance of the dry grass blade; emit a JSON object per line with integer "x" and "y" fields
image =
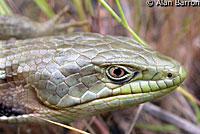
{"x": 61, "y": 13}
{"x": 62, "y": 125}
{"x": 135, "y": 118}
{"x": 189, "y": 95}
{"x": 171, "y": 118}
{"x": 71, "y": 24}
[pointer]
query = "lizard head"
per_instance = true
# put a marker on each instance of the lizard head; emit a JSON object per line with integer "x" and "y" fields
{"x": 84, "y": 74}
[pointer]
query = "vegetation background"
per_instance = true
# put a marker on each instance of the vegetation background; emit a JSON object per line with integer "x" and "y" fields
{"x": 173, "y": 31}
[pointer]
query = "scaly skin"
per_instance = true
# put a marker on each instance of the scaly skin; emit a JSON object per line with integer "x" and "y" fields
{"x": 66, "y": 78}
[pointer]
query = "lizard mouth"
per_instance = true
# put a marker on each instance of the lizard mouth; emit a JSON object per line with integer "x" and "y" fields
{"x": 100, "y": 105}
{"x": 125, "y": 100}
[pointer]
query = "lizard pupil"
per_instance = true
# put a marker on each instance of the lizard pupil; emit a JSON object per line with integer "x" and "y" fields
{"x": 117, "y": 72}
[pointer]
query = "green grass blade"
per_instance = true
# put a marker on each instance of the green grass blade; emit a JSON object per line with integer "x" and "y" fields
{"x": 4, "y": 9}
{"x": 136, "y": 37}
{"x": 197, "y": 111}
{"x": 163, "y": 127}
{"x": 89, "y": 7}
{"x": 111, "y": 11}
{"x": 193, "y": 101}
{"x": 124, "y": 23}
{"x": 45, "y": 7}
{"x": 121, "y": 12}
{"x": 78, "y": 4}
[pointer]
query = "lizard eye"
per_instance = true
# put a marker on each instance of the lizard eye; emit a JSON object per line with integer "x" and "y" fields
{"x": 169, "y": 75}
{"x": 118, "y": 74}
